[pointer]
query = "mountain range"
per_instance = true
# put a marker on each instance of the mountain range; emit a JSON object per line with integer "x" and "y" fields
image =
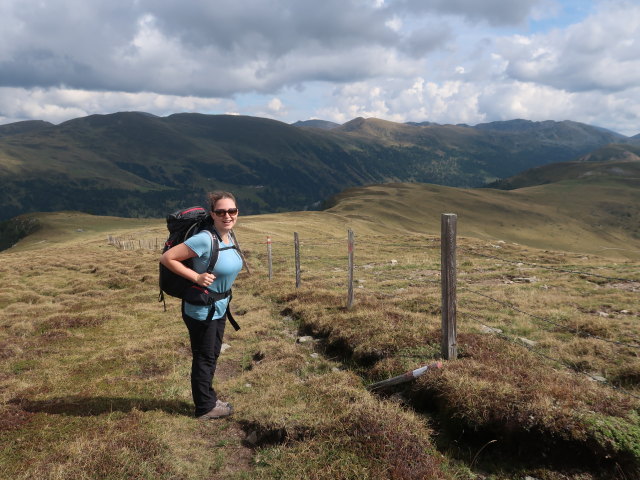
{"x": 134, "y": 164}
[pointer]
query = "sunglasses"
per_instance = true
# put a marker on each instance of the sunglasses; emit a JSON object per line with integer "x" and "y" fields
{"x": 221, "y": 212}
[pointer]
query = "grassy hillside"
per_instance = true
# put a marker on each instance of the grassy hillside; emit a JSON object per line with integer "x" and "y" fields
{"x": 138, "y": 165}
{"x": 23, "y": 127}
{"x": 613, "y": 163}
{"x": 590, "y": 217}
{"x": 94, "y": 375}
{"x": 614, "y": 152}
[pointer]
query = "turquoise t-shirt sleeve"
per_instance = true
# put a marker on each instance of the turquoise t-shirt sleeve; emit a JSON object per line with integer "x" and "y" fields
{"x": 200, "y": 244}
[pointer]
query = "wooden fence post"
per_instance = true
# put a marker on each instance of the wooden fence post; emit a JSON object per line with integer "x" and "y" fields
{"x": 350, "y": 245}
{"x": 269, "y": 258}
{"x": 296, "y": 245}
{"x": 448, "y": 279}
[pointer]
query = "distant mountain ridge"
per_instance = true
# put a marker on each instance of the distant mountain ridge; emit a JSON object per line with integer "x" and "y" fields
{"x": 614, "y": 162}
{"x": 137, "y": 164}
{"x": 23, "y": 127}
{"x": 322, "y": 124}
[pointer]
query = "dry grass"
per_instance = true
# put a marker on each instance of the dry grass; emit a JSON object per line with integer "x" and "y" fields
{"x": 528, "y": 381}
{"x": 94, "y": 376}
{"x": 94, "y": 381}
{"x": 329, "y": 426}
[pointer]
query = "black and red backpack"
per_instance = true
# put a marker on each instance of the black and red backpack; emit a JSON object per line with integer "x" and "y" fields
{"x": 182, "y": 225}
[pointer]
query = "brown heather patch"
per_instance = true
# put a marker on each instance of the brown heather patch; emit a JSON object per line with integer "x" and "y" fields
{"x": 375, "y": 441}
{"x": 373, "y": 433}
{"x": 152, "y": 369}
{"x": 74, "y": 321}
{"x": 500, "y": 384}
{"x": 338, "y": 431}
{"x": 56, "y": 334}
{"x": 9, "y": 349}
{"x": 121, "y": 447}
{"x": 13, "y": 417}
{"x": 373, "y": 329}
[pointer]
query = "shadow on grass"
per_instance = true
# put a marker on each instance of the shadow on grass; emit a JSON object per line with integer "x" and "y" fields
{"x": 90, "y": 406}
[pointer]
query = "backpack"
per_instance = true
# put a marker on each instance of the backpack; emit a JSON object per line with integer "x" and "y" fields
{"x": 182, "y": 225}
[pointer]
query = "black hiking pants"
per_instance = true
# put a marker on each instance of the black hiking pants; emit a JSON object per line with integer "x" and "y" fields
{"x": 206, "y": 342}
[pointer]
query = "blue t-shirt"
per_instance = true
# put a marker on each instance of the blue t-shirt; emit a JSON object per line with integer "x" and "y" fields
{"x": 226, "y": 269}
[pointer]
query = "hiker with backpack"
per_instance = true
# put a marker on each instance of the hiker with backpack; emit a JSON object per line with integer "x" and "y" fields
{"x": 209, "y": 261}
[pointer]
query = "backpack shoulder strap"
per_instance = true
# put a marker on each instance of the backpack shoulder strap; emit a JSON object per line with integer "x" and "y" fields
{"x": 215, "y": 249}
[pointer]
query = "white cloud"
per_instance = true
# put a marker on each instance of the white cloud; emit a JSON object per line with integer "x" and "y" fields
{"x": 58, "y": 104}
{"x": 494, "y": 12}
{"x": 448, "y": 61}
{"x": 525, "y": 100}
{"x": 275, "y": 105}
{"x": 601, "y": 53}
{"x": 415, "y": 100}
{"x": 394, "y": 23}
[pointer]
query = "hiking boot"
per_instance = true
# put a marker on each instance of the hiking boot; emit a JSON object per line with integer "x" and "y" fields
{"x": 222, "y": 409}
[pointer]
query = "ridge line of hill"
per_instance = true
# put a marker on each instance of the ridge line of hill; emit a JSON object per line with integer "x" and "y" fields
{"x": 140, "y": 165}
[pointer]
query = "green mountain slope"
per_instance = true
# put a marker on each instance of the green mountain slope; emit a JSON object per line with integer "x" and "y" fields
{"x": 23, "y": 127}
{"x": 136, "y": 164}
{"x": 321, "y": 124}
{"x": 592, "y": 215}
{"x": 615, "y": 162}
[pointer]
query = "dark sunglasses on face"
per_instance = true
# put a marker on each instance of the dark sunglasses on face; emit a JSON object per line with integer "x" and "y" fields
{"x": 221, "y": 212}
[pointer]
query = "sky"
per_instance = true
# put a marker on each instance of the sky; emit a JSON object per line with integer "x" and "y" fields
{"x": 443, "y": 61}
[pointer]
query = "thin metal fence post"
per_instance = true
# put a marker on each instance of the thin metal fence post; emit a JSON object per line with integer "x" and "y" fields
{"x": 350, "y": 248}
{"x": 269, "y": 258}
{"x": 296, "y": 244}
{"x": 448, "y": 279}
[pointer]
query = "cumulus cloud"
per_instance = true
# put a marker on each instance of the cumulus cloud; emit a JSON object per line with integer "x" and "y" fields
{"x": 402, "y": 101}
{"x": 494, "y": 12}
{"x": 60, "y": 104}
{"x": 601, "y": 53}
{"x": 203, "y": 48}
{"x": 448, "y": 61}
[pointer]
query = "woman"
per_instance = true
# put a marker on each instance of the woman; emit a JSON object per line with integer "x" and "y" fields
{"x": 206, "y": 336}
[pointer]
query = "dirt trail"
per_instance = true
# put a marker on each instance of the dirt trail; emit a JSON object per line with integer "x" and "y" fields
{"x": 232, "y": 439}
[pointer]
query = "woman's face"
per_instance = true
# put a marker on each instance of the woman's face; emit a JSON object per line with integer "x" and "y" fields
{"x": 224, "y": 223}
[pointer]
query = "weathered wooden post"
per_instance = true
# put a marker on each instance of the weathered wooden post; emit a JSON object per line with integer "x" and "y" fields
{"x": 405, "y": 377}
{"x": 350, "y": 245}
{"x": 448, "y": 279}
{"x": 296, "y": 245}
{"x": 269, "y": 258}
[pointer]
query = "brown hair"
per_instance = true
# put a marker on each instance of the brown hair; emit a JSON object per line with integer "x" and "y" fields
{"x": 219, "y": 195}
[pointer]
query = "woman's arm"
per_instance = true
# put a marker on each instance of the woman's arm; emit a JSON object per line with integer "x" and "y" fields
{"x": 173, "y": 258}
